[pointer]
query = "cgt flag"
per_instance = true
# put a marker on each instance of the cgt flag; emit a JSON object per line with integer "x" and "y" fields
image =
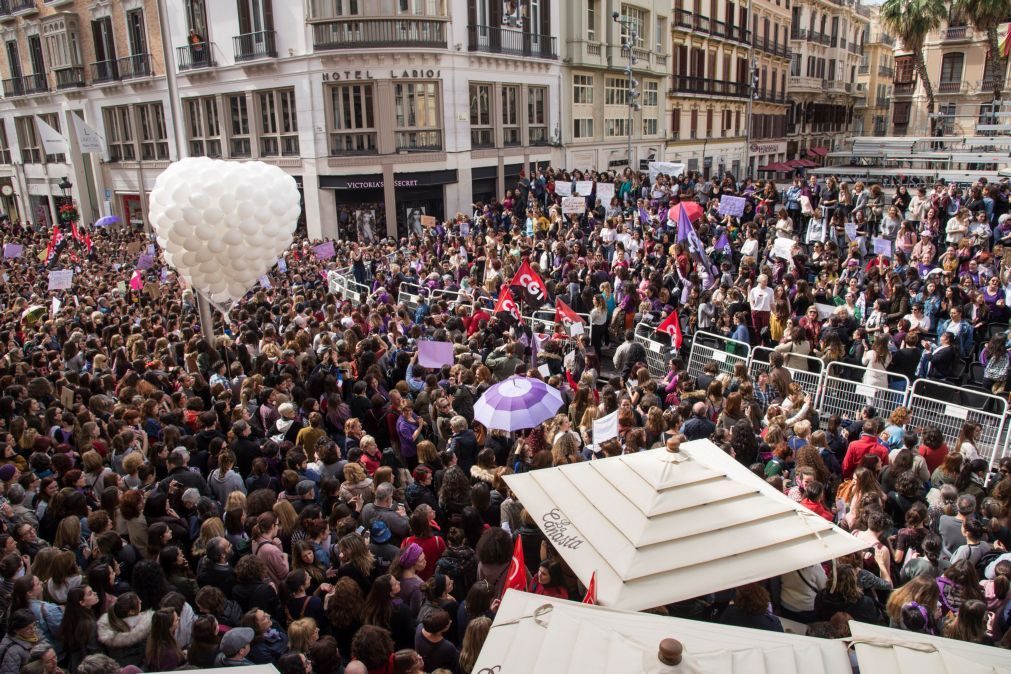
{"x": 506, "y": 304}
{"x": 564, "y": 313}
{"x": 672, "y": 326}
{"x": 591, "y": 590}
{"x": 517, "y": 578}
{"x": 535, "y": 293}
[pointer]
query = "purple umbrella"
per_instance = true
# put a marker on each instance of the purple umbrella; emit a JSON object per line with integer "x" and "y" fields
{"x": 106, "y": 221}
{"x": 517, "y": 403}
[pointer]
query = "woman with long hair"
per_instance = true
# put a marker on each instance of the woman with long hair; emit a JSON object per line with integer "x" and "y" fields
{"x": 969, "y": 624}
{"x": 205, "y": 637}
{"x": 384, "y": 608}
{"x": 921, "y": 590}
{"x": 344, "y": 606}
{"x": 473, "y": 640}
{"x": 79, "y": 629}
{"x": 959, "y": 584}
{"x": 162, "y": 653}
{"x": 299, "y": 602}
{"x": 356, "y": 561}
{"x": 124, "y": 630}
{"x": 303, "y": 558}
{"x": 302, "y": 634}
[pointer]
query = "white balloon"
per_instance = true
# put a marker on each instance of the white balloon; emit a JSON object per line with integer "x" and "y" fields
{"x": 213, "y": 215}
{"x": 216, "y": 246}
{"x": 232, "y": 236}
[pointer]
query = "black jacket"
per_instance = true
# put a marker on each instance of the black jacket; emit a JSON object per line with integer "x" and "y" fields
{"x": 221, "y": 576}
{"x": 188, "y": 479}
{"x": 464, "y": 445}
{"x": 258, "y": 595}
{"x": 698, "y": 428}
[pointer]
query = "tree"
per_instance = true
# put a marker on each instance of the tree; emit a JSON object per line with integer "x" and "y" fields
{"x": 986, "y": 16}
{"x": 912, "y": 21}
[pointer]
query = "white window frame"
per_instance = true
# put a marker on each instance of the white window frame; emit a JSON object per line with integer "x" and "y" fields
{"x": 615, "y": 91}
{"x": 537, "y": 115}
{"x": 238, "y": 126}
{"x": 482, "y": 114}
{"x": 509, "y": 109}
{"x": 638, "y": 19}
{"x": 582, "y": 127}
{"x": 416, "y": 115}
{"x": 582, "y": 89}
{"x": 277, "y": 112}
{"x": 119, "y": 132}
{"x": 153, "y": 134}
{"x": 203, "y": 126}
{"x": 351, "y": 119}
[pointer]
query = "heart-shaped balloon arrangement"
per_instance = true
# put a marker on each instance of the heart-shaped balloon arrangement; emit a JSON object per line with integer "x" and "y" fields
{"x": 223, "y": 224}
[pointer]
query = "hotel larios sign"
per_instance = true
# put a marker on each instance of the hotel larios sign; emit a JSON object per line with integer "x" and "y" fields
{"x": 413, "y": 74}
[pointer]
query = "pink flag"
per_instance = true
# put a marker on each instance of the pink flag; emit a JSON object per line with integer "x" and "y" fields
{"x": 137, "y": 280}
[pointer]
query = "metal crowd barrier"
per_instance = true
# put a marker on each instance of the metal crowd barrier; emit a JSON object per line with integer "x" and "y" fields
{"x": 805, "y": 370}
{"x": 844, "y": 393}
{"x": 725, "y": 352}
{"x": 947, "y": 407}
{"x": 658, "y": 347}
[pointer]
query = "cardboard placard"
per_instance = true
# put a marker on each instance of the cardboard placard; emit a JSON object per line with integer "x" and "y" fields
{"x": 732, "y": 205}
{"x": 575, "y": 205}
{"x": 428, "y": 221}
{"x": 61, "y": 279}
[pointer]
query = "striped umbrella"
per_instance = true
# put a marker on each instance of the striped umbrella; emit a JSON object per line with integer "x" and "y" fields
{"x": 517, "y": 403}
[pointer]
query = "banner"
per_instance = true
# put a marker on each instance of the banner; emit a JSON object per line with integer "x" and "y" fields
{"x": 565, "y": 315}
{"x": 672, "y": 326}
{"x": 732, "y": 205}
{"x": 506, "y": 304}
{"x": 324, "y": 251}
{"x": 605, "y": 428}
{"x": 88, "y": 140}
{"x": 265, "y": 282}
{"x": 605, "y": 192}
{"x": 575, "y": 205}
{"x": 137, "y": 280}
{"x": 52, "y": 141}
{"x": 584, "y": 188}
{"x": 563, "y": 189}
{"x": 61, "y": 279}
{"x": 13, "y": 250}
{"x": 672, "y": 169}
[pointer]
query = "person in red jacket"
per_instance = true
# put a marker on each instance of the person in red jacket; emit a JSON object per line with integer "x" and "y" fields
{"x": 867, "y": 443}
{"x": 813, "y": 493}
{"x": 934, "y": 449}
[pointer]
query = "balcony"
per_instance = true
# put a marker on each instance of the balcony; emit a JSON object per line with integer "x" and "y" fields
{"x": 19, "y": 7}
{"x": 886, "y": 71}
{"x": 810, "y": 36}
{"x": 809, "y": 84}
{"x": 956, "y": 33}
{"x": 26, "y": 85}
{"x": 699, "y": 23}
{"x": 5, "y": 10}
{"x": 770, "y": 47}
{"x": 71, "y": 77}
{"x": 685, "y": 84}
{"x": 104, "y": 71}
{"x": 379, "y": 33}
{"x": 904, "y": 88}
{"x": 833, "y": 86}
{"x": 863, "y": 70}
{"x": 952, "y": 87}
{"x": 132, "y": 67}
{"x": 419, "y": 141}
{"x": 252, "y": 46}
{"x": 855, "y": 48}
{"x": 195, "y": 56}
{"x": 769, "y": 97}
{"x": 515, "y": 43}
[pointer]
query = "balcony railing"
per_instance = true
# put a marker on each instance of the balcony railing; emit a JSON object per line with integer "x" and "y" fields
{"x": 13, "y": 87}
{"x": 353, "y": 144}
{"x": 25, "y": 85}
{"x": 770, "y": 47}
{"x": 69, "y": 78}
{"x": 699, "y": 23}
{"x": 886, "y": 71}
{"x": 379, "y": 33}
{"x": 23, "y": 6}
{"x": 136, "y": 65}
{"x": 904, "y": 88}
{"x": 686, "y": 84}
{"x": 863, "y": 70}
{"x": 855, "y": 48}
{"x": 955, "y": 33}
{"x": 952, "y": 87}
{"x": 250, "y": 46}
{"x": 104, "y": 71}
{"x": 5, "y": 9}
{"x": 769, "y": 97}
{"x": 514, "y": 42}
{"x": 419, "y": 141}
{"x": 195, "y": 56}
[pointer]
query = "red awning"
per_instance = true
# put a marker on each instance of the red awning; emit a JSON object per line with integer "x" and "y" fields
{"x": 776, "y": 168}
{"x": 805, "y": 163}
{"x": 817, "y": 151}
{"x": 794, "y": 163}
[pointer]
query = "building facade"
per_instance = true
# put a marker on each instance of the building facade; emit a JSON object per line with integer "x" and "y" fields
{"x": 771, "y": 20}
{"x": 955, "y": 57}
{"x": 826, "y": 39}
{"x": 711, "y": 84}
{"x": 597, "y": 119}
{"x": 874, "y": 80}
{"x": 382, "y": 110}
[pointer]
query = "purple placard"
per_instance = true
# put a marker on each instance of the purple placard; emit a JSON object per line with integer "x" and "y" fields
{"x": 435, "y": 354}
{"x": 13, "y": 250}
{"x": 324, "y": 251}
{"x": 145, "y": 261}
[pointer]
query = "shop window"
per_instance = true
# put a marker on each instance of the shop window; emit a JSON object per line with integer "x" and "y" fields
{"x": 278, "y": 123}
{"x": 351, "y": 120}
{"x": 417, "y": 116}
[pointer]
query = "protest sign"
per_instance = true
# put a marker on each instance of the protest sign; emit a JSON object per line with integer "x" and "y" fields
{"x": 282, "y": 266}
{"x": 428, "y": 221}
{"x": 13, "y": 250}
{"x": 265, "y": 282}
{"x": 605, "y": 192}
{"x": 61, "y": 279}
{"x": 435, "y": 354}
{"x": 851, "y": 231}
{"x": 605, "y": 428}
{"x": 563, "y": 189}
{"x": 783, "y": 248}
{"x": 575, "y": 205}
{"x": 584, "y": 188}
{"x": 883, "y": 247}
{"x": 324, "y": 251}
{"x": 145, "y": 262}
{"x": 732, "y": 205}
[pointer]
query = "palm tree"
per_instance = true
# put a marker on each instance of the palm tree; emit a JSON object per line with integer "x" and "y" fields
{"x": 986, "y": 16}
{"x": 911, "y": 21}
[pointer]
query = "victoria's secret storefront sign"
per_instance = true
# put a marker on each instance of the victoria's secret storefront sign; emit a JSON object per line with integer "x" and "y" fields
{"x": 340, "y": 75}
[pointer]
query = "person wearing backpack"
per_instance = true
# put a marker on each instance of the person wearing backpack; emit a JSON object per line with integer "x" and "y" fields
{"x": 975, "y": 548}
{"x": 22, "y": 635}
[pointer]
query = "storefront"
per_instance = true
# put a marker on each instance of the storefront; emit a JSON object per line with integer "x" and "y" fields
{"x": 133, "y": 214}
{"x": 8, "y": 201}
{"x": 484, "y": 184}
{"x": 361, "y": 202}
{"x": 41, "y": 213}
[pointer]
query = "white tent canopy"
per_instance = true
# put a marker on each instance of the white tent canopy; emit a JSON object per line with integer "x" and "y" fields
{"x": 533, "y": 634}
{"x": 881, "y": 650}
{"x": 659, "y": 527}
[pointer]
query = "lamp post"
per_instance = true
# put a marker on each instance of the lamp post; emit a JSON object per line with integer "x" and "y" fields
{"x": 65, "y": 185}
{"x": 633, "y": 92}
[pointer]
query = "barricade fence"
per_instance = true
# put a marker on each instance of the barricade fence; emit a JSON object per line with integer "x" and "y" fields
{"x": 659, "y": 349}
{"x": 805, "y": 370}
{"x": 948, "y": 408}
{"x": 844, "y": 392}
{"x": 709, "y": 348}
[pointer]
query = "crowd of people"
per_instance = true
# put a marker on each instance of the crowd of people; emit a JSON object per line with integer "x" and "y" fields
{"x": 301, "y": 491}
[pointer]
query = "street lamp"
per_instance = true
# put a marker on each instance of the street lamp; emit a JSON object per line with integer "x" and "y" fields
{"x": 633, "y": 92}
{"x": 65, "y": 185}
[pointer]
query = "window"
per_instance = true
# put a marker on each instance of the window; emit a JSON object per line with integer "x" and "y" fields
{"x": 5, "y": 146}
{"x": 62, "y": 41}
{"x": 616, "y": 127}
{"x": 537, "y": 115}
{"x": 28, "y": 139}
{"x": 511, "y": 116}
{"x": 421, "y": 7}
{"x": 239, "y": 142}
{"x": 196, "y": 17}
{"x": 53, "y": 120}
{"x": 900, "y": 112}
{"x": 119, "y": 133}
{"x": 649, "y": 126}
{"x": 135, "y": 30}
{"x": 951, "y": 67}
{"x": 278, "y": 123}
{"x": 582, "y": 128}
{"x": 481, "y": 132}
{"x": 417, "y": 116}
{"x": 153, "y": 138}
{"x": 203, "y": 126}
{"x": 591, "y": 20}
{"x": 675, "y": 123}
{"x": 582, "y": 89}
{"x": 651, "y": 94}
{"x": 352, "y": 123}
{"x": 343, "y": 7}
{"x": 634, "y": 19}
{"x": 615, "y": 91}
{"x": 661, "y": 31}
{"x": 795, "y": 64}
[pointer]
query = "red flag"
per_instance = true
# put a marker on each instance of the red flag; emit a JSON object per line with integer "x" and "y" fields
{"x": 573, "y": 384}
{"x": 672, "y": 326}
{"x": 517, "y": 578}
{"x": 506, "y": 303}
{"x": 53, "y": 249}
{"x": 564, "y": 313}
{"x": 591, "y": 591}
{"x": 534, "y": 290}
{"x": 87, "y": 242}
{"x": 73, "y": 231}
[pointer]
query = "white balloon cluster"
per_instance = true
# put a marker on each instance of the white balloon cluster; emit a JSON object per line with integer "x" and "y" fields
{"x": 223, "y": 224}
